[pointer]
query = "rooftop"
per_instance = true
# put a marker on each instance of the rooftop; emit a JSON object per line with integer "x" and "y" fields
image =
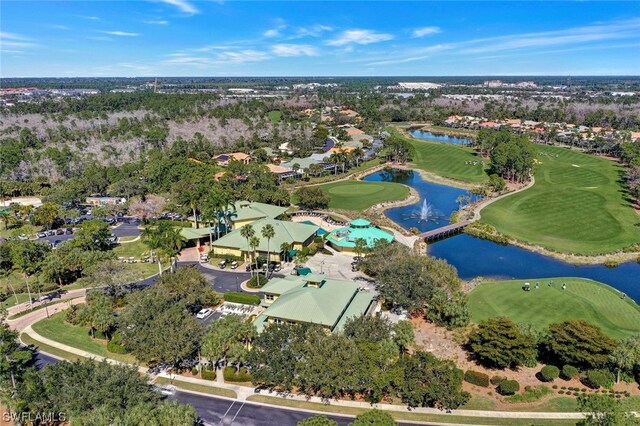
{"x": 285, "y": 232}
{"x": 325, "y": 301}
{"x": 359, "y": 228}
{"x": 247, "y": 210}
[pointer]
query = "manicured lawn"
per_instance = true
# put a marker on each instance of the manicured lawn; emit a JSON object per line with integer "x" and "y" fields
{"x": 197, "y": 387}
{"x": 447, "y": 160}
{"x": 26, "y": 229}
{"x": 357, "y": 195}
{"x": 275, "y": 116}
{"x": 405, "y": 415}
{"x": 78, "y": 337}
{"x": 137, "y": 249}
{"x": 583, "y": 299}
{"x": 577, "y": 205}
{"x": 28, "y": 340}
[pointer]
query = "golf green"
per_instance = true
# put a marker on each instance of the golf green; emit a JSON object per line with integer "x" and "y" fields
{"x": 357, "y": 195}
{"x": 447, "y": 160}
{"x": 582, "y": 299}
{"x": 577, "y": 205}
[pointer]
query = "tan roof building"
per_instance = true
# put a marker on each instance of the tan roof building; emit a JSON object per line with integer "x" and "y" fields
{"x": 224, "y": 159}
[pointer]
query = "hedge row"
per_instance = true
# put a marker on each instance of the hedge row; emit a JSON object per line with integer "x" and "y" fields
{"x": 208, "y": 374}
{"x": 476, "y": 378}
{"x": 115, "y": 345}
{"x": 569, "y": 372}
{"x": 247, "y": 299}
{"x": 230, "y": 375}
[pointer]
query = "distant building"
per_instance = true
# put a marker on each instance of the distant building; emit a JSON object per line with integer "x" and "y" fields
{"x": 224, "y": 159}
{"x": 105, "y": 201}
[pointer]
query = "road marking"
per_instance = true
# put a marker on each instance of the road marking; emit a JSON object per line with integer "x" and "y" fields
{"x": 226, "y": 412}
{"x": 238, "y": 412}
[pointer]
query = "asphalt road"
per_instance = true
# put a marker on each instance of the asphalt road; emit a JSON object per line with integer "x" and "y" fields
{"x": 215, "y": 411}
{"x": 222, "y": 281}
{"x": 128, "y": 228}
{"x": 219, "y": 411}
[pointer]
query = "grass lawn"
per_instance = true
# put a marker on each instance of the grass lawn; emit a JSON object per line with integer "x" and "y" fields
{"x": 212, "y": 390}
{"x": 26, "y": 229}
{"x": 583, "y": 299}
{"x": 136, "y": 249}
{"x": 358, "y": 195}
{"x": 406, "y": 415}
{"x": 577, "y": 205}
{"x": 28, "y": 340}
{"x": 447, "y": 160}
{"x": 275, "y": 116}
{"x": 78, "y": 337}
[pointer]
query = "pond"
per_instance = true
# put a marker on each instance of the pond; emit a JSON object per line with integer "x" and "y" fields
{"x": 457, "y": 140}
{"x": 475, "y": 257}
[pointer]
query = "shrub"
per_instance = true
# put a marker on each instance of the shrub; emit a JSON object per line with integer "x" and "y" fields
{"x": 496, "y": 380}
{"x": 599, "y": 378}
{"x": 554, "y": 387}
{"x": 569, "y": 372}
{"x": 115, "y": 345}
{"x": 561, "y": 392}
{"x": 208, "y": 374}
{"x": 549, "y": 373}
{"x": 476, "y": 378}
{"x": 531, "y": 394}
{"x": 257, "y": 281}
{"x": 194, "y": 371}
{"x": 248, "y": 299}
{"x": 230, "y": 375}
{"x": 508, "y": 387}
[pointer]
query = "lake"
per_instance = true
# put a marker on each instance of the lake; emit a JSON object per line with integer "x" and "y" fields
{"x": 457, "y": 140}
{"x": 475, "y": 257}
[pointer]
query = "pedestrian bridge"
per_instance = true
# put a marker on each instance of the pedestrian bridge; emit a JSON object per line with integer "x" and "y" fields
{"x": 445, "y": 231}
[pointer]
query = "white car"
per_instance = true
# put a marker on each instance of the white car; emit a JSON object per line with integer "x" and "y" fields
{"x": 204, "y": 313}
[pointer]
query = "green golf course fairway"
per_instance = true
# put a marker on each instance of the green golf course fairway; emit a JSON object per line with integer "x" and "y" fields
{"x": 447, "y": 160}
{"x": 357, "y": 195}
{"x": 576, "y": 206}
{"x": 583, "y": 299}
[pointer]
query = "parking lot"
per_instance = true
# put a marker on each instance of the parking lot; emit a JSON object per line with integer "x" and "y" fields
{"x": 126, "y": 227}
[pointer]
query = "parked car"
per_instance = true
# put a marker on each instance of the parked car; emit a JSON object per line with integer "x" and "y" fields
{"x": 23, "y": 237}
{"x": 204, "y": 257}
{"x": 68, "y": 231}
{"x": 42, "y": 234}
{"x": 277, "y": 267}
{"x": 51, "y": 232}
{"x": 222, "y": 264}
{"x": 59, "y": 231}
{"x": 234, "y": 265}
{"x": 204, "y": 313}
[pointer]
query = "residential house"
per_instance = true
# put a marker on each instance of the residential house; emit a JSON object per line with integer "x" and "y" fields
{"x": 224, "y": 159}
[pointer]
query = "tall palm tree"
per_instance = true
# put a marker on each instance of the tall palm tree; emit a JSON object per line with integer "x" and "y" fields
{"x": 4, "y": 217}
{"x": 151, "y": 238}
{"x": 193, "y": 199}
{"x": 247, "y": 232}
{"x": 172, "y": 242}
{"x": 358, "y": 154}
{"x": 254, "y": 242}
{"x": 268, "y": 232}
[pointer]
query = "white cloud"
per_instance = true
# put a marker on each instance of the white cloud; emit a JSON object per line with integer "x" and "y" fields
{"x": 59, "y": 27}
{"x": 425, "y": 31}
{"x": 121, "y": 33}
{"x": 274, "y": 32}
{"x": 156, "y": 22}
{"x": 398, "y": 61}
{"x": 311, "y": 31}
{"x": 243, "y": 56}
{"x": 91, "y": 18}
{"x": 100, "y": 38}
{"x": 14, "y": 40}
{"x": 359, "y": 37}
{"x": 294, "y": 50}
{"x": 183, "y": 5}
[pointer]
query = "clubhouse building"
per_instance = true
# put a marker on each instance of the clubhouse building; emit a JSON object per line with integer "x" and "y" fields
{"x": 314, "y": 299}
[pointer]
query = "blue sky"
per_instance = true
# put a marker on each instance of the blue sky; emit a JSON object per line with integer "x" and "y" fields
{"x": 241, "y": 38}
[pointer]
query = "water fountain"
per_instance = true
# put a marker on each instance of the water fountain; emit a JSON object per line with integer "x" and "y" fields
{"x": 426, "y": 213}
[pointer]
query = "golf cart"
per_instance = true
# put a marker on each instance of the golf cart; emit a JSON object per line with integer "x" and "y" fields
{"x": 222, "y": 264}
{"x": 526, "y": 287}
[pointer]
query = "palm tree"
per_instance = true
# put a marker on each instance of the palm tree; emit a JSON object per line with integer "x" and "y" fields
{"x": 268, "y": 232}
{"x": 4, "y": 217}
{"x": 163, "y": 238}
{"x": 172, "y": 242}
{"x": 247, "y": 232}
{"x": 193, "y": 198}
{"x": 254, "y": 242}
{"x": 151, "y": 238}
{"x": 360, "y": 247}
{"x": 285, "y": 248}
{"x": 358, "y": 154}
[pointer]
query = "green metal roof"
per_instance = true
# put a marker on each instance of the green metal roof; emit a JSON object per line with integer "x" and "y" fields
{"x": 325, "y": 305}
{"x": 285, "y": 232}
{"x": 193, "y": 233}
{"x": 358, "y": 306}
{"x": 304, "y": 163}
{"x": 246, "y": 210}
{"x": 347, "y": 236}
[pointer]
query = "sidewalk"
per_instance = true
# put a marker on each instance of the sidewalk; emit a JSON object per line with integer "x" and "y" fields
{"x": 243, "y": 392}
